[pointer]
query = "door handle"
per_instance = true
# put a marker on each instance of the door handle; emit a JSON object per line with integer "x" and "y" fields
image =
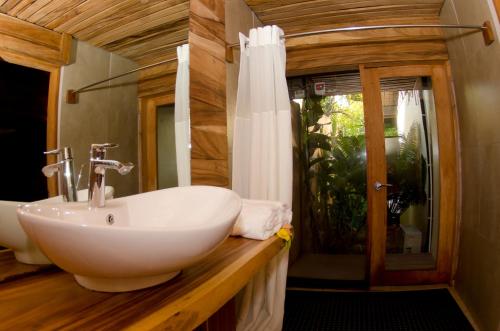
{"x": 378, "y": 185}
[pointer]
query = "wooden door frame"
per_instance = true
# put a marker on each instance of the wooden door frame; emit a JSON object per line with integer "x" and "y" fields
{"x": 148, "y": 135}
{"x": 376, "y": 170}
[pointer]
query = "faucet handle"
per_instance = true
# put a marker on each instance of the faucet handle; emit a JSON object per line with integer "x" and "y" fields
{"x": 98, "y": 151}
{"x": 65, "y": 152}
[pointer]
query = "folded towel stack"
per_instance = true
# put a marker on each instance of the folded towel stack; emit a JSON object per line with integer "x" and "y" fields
{"x": 260, "y": 219}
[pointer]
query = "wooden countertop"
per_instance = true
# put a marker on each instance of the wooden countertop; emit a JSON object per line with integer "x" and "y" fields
{"x": 10, "y": 269}
{"x": 53, "y": 300}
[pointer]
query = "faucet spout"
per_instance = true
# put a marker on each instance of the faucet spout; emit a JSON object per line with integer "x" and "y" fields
{"x": 102, "y": 165}
{"x": 51, "y": 169}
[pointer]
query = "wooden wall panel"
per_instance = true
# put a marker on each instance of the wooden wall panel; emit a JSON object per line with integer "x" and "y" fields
{"x": 22, "y": 42}
{"x": 208, "y": 93}
{"x": 327, "y": 59}
{"x": 345, "y": 51}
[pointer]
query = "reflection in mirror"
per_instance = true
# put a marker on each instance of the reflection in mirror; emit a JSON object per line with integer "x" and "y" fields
{"x": 106, "y": 113}
{"x": 412, "y": 156}
{"x": 111, "y": 40}
{"x": 23, "y": 131}
{"x": 165, "y": 137}
{"x": 182, "y": 117}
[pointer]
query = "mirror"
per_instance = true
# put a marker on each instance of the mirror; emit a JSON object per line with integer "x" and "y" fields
{"x": 109, "y": 39}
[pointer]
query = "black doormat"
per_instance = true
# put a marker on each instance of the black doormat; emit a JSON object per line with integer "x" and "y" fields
{"x": 429, "y": 310}
{"x": 326, "y": 283}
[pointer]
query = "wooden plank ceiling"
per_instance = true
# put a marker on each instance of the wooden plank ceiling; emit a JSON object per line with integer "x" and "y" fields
{"x": 299, "y": 15}
{"x": 145, "y": 31}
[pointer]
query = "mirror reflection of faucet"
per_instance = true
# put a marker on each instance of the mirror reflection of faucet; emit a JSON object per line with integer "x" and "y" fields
{"x": 66, "y": 172}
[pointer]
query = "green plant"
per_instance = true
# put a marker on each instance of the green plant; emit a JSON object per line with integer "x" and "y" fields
{"x": 406, "y": 171}
{"x": 334, "y": 153}
{"x": 334, "y": 156}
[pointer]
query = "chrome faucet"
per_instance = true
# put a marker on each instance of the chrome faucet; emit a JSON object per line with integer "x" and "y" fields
{"x": 66, "y": 172}
{"x": 97, "y": 169}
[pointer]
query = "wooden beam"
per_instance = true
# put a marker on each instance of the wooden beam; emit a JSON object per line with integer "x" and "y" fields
{"x": 327, "y": 59}
{"x": 30, "y": 44}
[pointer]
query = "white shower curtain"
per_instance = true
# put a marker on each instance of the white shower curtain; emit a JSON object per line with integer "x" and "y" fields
{"x": 262, "y": 162}
{"x": 182, "y": 130}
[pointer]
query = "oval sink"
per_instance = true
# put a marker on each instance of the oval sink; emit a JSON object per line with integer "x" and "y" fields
{"x": 12, "y": 235}
{"x": 136, "y": 241}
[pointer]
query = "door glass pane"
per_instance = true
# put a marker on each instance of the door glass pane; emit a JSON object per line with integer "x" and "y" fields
{"x": 412, "y": 171}
{"x": 333, "y": 158}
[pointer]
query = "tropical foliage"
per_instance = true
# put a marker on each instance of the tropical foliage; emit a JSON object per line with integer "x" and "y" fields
{"x": 407, "y": 171}
{"x": 335, "y": 161}
{"x": 334, "y": 157}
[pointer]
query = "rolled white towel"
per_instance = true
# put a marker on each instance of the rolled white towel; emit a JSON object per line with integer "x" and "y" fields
{"x": 260, "y": 219}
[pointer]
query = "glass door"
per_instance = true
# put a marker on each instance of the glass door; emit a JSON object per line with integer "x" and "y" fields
{"x": 411, "y": 174}
{"x": 332, "y": 233}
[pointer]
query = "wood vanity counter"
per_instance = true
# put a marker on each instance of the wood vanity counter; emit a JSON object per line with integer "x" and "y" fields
{"x": 53, "y": 300}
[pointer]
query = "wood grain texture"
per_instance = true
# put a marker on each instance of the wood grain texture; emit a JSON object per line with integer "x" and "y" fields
{"x": 497, "y": 7}
{"x": 375, "y": 171}
{"x": 55, "y": 301}
{"x": 208, "y": 93}
{"x": 306, "y": 15}
{"x": 27, "y": 43}
{"x": 52, "y": 111}
{"x": 345, "y": 51}
{"x": 156, "y": 81}
{"x": 325, "y": 59}
{"x": 10, "y": 269}
{"x": 143, "y": 31}
{"x": 210, "y": 172}
{"x": 370, "y": 36}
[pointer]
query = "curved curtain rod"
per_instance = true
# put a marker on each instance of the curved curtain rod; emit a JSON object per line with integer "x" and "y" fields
{"x": 485, "y": 27}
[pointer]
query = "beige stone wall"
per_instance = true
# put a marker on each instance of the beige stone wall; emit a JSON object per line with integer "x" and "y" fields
{"x": 107, "y": 114}
{"x": 476, "y": 75}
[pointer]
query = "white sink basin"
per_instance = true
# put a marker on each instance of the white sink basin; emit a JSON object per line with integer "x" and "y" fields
{"x": 12, "y": 235}
{"x": 153, "y": 235}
